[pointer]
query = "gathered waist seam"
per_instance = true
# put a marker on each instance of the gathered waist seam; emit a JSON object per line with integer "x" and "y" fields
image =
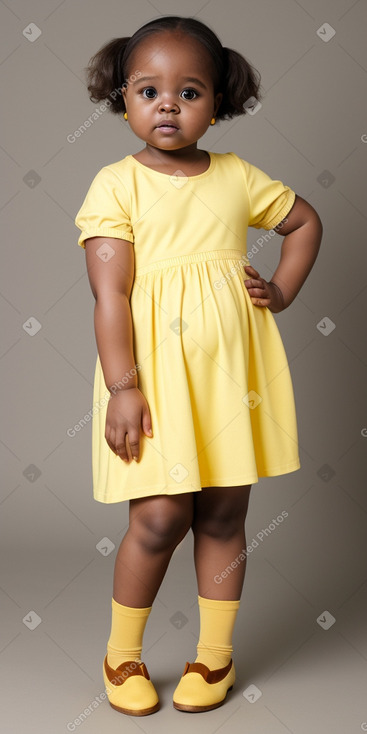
{"x": 194, "y": 257}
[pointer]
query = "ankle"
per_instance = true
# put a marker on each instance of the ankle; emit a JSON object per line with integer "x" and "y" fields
{"x": 116, "y": 657}
{"x": 214, "y": 657}
{"x": 127, "y": 630}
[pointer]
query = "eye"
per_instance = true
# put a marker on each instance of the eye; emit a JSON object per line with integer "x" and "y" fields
{"x": 149, "y": 92}
{"x": 189, "y": 94}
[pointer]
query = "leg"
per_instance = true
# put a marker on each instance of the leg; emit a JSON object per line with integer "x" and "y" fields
{"x": 219, "y": 539}
{"x": 220, "y": 561}
{"x": 156, "y": 526}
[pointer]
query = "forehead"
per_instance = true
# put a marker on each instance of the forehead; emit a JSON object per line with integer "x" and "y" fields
{"x": 175, "y": 48}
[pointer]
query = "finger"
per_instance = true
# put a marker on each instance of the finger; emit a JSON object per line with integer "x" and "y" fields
{"x": 254, "y": 273}
{"x": 121, "y": 449}
{"x": 110, "y": 438}
{"x": 261, "y": 302}
{"x": 134, "y": 445}
{"x": 255, "y": 282}
{"x": 111, "y": 446}
{"x": 258, "y": 292}
{"x": 147, "y": 423}
{"x": 250, "y": 284}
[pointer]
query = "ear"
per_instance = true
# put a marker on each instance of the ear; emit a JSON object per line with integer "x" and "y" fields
{"x": 217, "y": 100}
{"x": 123, "y": 91}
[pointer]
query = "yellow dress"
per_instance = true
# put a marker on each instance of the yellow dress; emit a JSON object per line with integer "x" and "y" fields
{"x": 210, "y": 364}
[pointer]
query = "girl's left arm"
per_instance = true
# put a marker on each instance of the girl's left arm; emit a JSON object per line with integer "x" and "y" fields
{"x": 302, "y": 230}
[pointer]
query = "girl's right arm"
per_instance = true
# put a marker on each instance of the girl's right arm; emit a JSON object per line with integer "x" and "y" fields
{"x": 111, "y": 279}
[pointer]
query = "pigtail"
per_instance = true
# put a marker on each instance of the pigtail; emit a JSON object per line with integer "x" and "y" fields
{"x": 105, "y": 76}
{"x": 241, "y": 83}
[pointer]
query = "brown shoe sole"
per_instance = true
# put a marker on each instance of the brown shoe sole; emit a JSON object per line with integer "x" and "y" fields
{"x": 136, "y": 712}
{"x": 199, "y": 709}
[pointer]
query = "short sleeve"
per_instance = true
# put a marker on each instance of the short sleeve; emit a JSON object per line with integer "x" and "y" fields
{"x": 270, "y": 201}
{"x": 104, "y": 212}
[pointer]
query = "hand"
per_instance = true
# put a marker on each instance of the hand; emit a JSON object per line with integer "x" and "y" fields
{"x": 262, "y": 293}
{"x": 127, "y": 414}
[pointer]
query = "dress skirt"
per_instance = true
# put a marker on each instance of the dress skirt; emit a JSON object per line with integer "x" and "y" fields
{"x": 214, "y": 372}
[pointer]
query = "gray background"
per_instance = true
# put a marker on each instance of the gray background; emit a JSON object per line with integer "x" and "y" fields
{"x": 311, "y": 132}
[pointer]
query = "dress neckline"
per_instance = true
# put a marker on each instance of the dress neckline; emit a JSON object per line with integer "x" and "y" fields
{"x": 169, "y": 175}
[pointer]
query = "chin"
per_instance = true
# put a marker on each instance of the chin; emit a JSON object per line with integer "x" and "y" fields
{"x": 167, "y": 145}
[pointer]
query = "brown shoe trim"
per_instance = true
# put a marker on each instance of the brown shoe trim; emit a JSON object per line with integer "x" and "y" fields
{"x": 210, "y": 676}
{"x": 124, "y": 671}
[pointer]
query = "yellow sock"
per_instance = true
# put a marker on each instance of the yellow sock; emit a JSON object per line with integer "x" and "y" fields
{"x": 127, "y": 630}
{"x": 217, "y": 619}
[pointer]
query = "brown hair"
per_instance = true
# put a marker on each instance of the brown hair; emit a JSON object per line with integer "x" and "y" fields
{"x": 233, "y": 75}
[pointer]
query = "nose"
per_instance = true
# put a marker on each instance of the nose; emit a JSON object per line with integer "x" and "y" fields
{"x": 169, "y": 107}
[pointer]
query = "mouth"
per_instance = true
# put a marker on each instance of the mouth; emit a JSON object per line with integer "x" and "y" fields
{"x": 167, "y": 126}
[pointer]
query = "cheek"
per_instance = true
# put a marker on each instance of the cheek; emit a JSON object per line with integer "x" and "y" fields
{"x": 206, "y": 106}
{"x": 141, "y": 104}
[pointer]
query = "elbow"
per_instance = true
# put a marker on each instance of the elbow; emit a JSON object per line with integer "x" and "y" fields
{"x": 109, "y": 298}
{"x": 313, "y": 226}
{"x": 318, "y": 222}
{"x": 319, "y": 229}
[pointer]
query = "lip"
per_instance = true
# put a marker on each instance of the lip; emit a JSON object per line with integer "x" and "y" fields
{"x": 167, "y": 125}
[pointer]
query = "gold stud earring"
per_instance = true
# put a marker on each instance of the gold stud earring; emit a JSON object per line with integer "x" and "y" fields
{"x": 213, "y": 121}
{"x": 125, "y": 115}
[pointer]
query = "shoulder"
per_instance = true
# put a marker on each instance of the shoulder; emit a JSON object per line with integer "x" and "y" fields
{"x": 113, "y": 179}
{"x": 225, "y": 159}
{"x": 255, "y": 178}
{"x": 231, "y": 161}
{"x": 118, "y": 169}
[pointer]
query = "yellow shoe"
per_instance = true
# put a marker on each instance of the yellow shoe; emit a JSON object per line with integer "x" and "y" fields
{"x": 129, "y": 688}
{"x": 201, "y": 689}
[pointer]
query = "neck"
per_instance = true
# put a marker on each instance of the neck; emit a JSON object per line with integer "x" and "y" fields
{"x": 188, "y": 154}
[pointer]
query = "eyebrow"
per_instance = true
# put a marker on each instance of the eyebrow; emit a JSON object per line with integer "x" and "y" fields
{"x": 193, "y": 79}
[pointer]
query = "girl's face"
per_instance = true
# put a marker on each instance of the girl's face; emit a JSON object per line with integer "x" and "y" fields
{"x": 175, "y": 87}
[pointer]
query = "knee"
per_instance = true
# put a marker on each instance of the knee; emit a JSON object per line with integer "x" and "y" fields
{"x": 162, "y": 526}
{"x": 221, "y": 525}
{"x": 221, "y": 514}
{"x": 223, "y": 521}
